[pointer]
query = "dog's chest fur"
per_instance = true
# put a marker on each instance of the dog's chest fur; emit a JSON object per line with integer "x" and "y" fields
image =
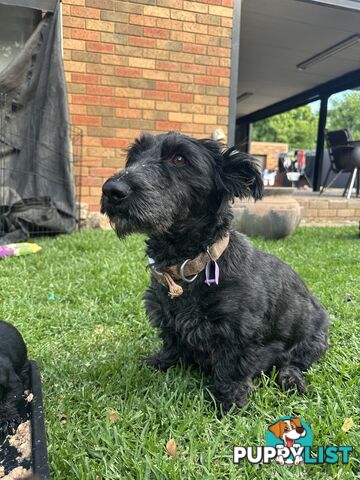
{"x": 190, "y": 324}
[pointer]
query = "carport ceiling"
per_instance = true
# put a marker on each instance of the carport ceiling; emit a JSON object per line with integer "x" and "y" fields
{"x": 276, "y": 35}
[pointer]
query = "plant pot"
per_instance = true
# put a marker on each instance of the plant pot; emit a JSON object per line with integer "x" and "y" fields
{"x": 277, "y": 215}
{"x": 33, "y": 411}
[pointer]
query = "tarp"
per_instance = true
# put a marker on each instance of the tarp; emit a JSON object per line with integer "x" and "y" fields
{"x": 36, "y": 181}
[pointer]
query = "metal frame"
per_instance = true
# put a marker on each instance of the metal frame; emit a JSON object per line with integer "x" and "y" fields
{"x": 234, "y": 76}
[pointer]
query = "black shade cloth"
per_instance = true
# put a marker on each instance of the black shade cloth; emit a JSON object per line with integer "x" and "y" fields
{"x": 36, "y": 181}
{"x": 45, "y": 5}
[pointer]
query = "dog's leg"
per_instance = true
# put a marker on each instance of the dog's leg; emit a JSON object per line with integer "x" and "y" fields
{"x": 291, "y": 377}
{"x": 227, "y": 391}
{"x": 298, "y": 360}
{"x": 168, "y": 356}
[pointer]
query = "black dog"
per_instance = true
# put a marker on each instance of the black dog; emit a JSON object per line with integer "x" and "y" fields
{"x": 259, "y": 313}
{"x": 14, "y": 374}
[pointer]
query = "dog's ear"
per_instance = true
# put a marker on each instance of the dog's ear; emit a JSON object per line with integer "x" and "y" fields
{"x": 296, "y": 421}
{"x": 240, "y": 175}
{"x": 278, "y": 428}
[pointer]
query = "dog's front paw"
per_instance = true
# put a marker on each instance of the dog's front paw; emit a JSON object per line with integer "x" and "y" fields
{"x": 231, "y": 395}
{"x": 158, "y": 362}
{"x": 291, "y": 377}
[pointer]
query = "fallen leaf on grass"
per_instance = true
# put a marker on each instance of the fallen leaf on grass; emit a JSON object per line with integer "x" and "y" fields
{"x": 113, "y": 416}
{"x": 348, "y": 423}
{"x": 63, "y": 418}
{"x": 171, "y": 448}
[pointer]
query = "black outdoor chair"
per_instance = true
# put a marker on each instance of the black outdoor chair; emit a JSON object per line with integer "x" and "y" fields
{"x": 344, "y": 156}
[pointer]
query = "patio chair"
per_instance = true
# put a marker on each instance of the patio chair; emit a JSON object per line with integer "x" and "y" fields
{"x": 344, "y": 156}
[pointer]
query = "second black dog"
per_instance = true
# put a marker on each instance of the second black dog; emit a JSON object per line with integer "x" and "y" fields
{"x": 14, "y": 374}
{"x": 254, "y": 312}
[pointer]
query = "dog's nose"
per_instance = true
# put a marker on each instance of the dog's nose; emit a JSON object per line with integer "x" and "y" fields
{"x": 116, "y": 190}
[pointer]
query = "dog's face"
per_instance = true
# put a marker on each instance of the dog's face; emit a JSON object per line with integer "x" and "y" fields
{"x": 170, "y": 178}
{"x": 288, "y": 430}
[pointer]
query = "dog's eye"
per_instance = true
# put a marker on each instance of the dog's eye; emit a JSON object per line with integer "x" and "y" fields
{"x": 178, "y": 160}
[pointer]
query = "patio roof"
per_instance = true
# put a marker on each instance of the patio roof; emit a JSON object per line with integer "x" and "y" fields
{"x": 278, "y": 35}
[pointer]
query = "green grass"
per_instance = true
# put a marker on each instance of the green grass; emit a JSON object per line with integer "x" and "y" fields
{"x": 90, "y": 339}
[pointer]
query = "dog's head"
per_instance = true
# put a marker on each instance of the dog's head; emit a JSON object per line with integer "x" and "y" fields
{"x": 288, "y": 430}
{"x": 172, "y": 177}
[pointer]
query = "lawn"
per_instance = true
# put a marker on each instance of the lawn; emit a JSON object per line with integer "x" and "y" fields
{"x": 78, "y": 305}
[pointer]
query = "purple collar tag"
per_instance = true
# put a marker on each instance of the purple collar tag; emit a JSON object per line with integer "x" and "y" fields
{"x": 209, "y": 281}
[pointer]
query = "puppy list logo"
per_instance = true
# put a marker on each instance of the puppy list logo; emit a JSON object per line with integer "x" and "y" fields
{"x": 288, "y": 442}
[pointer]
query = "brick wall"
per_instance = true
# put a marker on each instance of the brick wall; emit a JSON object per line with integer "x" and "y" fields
{"x": 143, "y": 65}
{"x": 271, "y": 150}
{"x": 329, "y": 210}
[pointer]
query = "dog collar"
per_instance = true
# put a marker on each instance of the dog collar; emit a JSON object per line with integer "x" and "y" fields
{"x": 190, "y": 268}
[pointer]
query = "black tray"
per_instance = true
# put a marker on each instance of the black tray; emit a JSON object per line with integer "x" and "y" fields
{"x": 33, "y": 411}
{"x": 40, "y": 461}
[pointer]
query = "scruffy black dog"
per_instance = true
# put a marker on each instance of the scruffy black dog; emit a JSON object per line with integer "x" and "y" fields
{"x": 244, "y": 311}
{"x": 14, "y": 374}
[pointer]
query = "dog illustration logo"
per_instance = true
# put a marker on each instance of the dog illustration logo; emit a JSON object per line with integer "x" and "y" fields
{"x": 289, "y": 435}
{"x": 289, "y": 442}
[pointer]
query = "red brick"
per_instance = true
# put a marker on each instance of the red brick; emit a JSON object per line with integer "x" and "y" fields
{"x": 192, "y": 48}
{"x": 142, "y": 42}
{"x": 83, "y": 78}
{"x": 114, "y": 143}
{"x": 170, "y": 66}
{"x": 114, "y": 101}
{"x": 141, "y": 20}
{"x": 99, "y": 90}
{"x": 181, "y": 97}
{"x": 85, "y": 99}
{"x": 77, "y": 109}
{"x": 218, "y": 51}
{"x": 100, "y": 47}
{"x": 128, "y": 113}
{"x": 219, "y": 71}
{"x": 86, "y": 120}
{"x": 155, "y": 94}
{"x": 102, "y": 171}
{"x": 85, "y": 12}
{"x": 207, "y": 80}
{"x": 128, "y": 72}
{"x": 223, "y": 101}
{"x": 85, "y": 35}
{"x": 156, "y": 32}
{"x": 92, "y": 181}
{"x": 167, "y": 125}
{"x": 192, "y": 68}
{"x": 168, "y": 86}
